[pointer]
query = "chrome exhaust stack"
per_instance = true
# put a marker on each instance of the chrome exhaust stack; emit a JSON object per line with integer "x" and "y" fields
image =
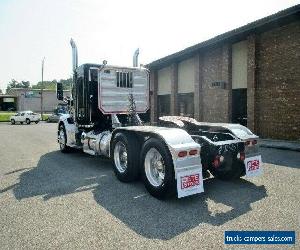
{"x": 135, "y": 58}
{"x": 74, "y": 54}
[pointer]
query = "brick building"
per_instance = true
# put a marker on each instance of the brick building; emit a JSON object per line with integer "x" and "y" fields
{"x": 250, "y": 75}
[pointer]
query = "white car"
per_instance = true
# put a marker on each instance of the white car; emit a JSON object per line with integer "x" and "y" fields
{"x": 25, "y": 116}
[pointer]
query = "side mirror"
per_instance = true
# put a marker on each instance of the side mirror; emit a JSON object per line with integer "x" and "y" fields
{"x": 59, "y": 91}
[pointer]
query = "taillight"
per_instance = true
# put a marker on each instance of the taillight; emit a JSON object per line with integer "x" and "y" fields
{"x": 247, "y": 143}
{"x": 182, "y": 154}
{"x": 254, "y": 142}
{"x": 193, "y": 152}
{"x": 241, "y": 156}
{"x": 216, "y": 161}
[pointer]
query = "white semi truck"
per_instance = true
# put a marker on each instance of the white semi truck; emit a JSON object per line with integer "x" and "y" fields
{"x": 171, "y": 158}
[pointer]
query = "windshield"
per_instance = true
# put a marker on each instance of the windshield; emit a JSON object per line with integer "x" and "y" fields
{"x": 242, "y": 132}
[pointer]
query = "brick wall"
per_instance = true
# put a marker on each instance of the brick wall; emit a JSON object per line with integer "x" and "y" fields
{"x": 277, "y": 111}
{"x": 215, "y": 100}
{"x": 273, "y": 83}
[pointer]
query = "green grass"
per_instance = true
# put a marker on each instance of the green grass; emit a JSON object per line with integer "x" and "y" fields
{"x": 5, "y": 116}
{"x": 45, "y": 117}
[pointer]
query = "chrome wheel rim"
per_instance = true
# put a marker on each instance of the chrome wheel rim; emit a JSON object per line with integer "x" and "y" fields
{"x": 120, "y": 156}
{"x": 62, "y": 139}
{"x": 154, "y": 167}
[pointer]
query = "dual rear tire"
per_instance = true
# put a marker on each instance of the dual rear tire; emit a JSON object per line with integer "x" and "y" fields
{"x": 153, "y": 162}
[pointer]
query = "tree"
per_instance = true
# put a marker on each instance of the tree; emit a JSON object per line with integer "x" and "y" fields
{"x": 15, "y": 84}
{"x": 25, "y": 84}
{"x": 45, "y": 85}
{"x": 66, "y": 83}
{"x": 52, "y": 84}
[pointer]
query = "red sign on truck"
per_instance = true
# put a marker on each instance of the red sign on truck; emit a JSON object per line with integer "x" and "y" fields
{"x": 253, "y": 166}
{"x": 190, "y": 181}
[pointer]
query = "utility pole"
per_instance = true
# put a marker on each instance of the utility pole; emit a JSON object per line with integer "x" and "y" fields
{"x": 42, "y": 87}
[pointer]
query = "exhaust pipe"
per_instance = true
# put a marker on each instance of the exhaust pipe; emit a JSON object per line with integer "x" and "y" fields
{"x": 74, "y": 54}
{"x": 135, "y": 58}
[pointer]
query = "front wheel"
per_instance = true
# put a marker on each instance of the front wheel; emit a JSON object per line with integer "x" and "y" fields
{"x": 36, "y": 122}
{"x": 13, "y": 122}
{"x": 27, "y": 121}
{"x": 158, "y": 169}
{"x": 62, "y": 140}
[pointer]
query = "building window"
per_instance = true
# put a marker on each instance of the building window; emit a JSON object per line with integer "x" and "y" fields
{"x": 124, "y": 79}
{"x": 163, "y": 105}
{"x": 186, "y": 104}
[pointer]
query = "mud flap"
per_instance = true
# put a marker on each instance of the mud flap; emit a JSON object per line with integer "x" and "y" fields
{"x": 253, "y": 166}
{"x": 189, "y": 182}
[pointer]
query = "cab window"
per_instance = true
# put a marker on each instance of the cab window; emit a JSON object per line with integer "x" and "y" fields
{"x": 22, "y": 114}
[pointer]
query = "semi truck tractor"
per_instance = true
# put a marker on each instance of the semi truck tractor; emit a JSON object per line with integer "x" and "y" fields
{"x": 172, "y": 158}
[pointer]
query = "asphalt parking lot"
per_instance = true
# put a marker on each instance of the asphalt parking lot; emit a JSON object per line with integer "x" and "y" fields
{"x": 51, "y": 200}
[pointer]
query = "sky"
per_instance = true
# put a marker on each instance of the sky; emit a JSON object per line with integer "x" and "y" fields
{"x": 111, "y": 30}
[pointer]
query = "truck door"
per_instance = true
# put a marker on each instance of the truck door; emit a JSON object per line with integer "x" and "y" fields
{"x": 22, "y": 117}
{"x": 87, "y": 95}
{"x": 93, "y": 97}
{"x": 80, "y": 100}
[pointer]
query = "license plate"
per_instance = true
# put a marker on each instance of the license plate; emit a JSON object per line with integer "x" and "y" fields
{"x": 189, "y": 182}
{"x": 253, "y": 166}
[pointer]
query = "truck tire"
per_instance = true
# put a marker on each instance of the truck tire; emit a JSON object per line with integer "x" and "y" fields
{"x": 158, "y": 169}
{"x": 231, "y": 170}
{"x": 62, "y": 139}
{"x": 13, "y": 122}
{"x": 125, "y": 156}
{"x": 27, "y": 121}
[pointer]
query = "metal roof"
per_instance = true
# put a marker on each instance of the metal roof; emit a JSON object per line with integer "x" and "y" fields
{"x": 278, "y": 19}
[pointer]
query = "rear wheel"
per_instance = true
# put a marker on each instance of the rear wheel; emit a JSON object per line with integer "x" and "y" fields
{"x": 158, "y": 169}
{"x": 62, "y": 140}
{"x": 21, "y": 122}
{"x": 13, "y": 122}
{"x": 126, "y": 156}
{"x": 36, "y": 122}
{"x": 27, "y": 121}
